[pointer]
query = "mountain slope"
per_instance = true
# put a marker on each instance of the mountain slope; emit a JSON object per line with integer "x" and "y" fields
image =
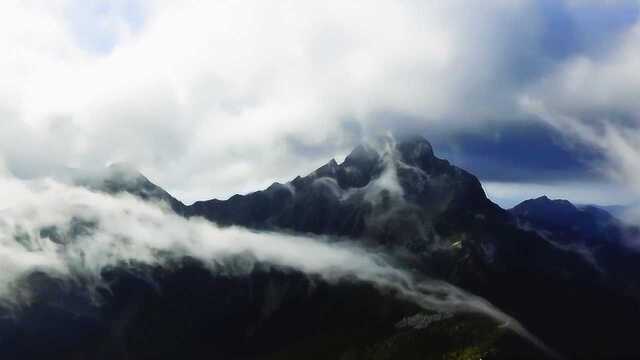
{"x": 437, "y": 220}
{"x": 568, "y": 223}
{"x": 181, "y": 308}
{"x": 123, "y": 178}
{"x": 271, "y": 313}
{"x": 602, "y": 239}
{"x": 395, "y": 194}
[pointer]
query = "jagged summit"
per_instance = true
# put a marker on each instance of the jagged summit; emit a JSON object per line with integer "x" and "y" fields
{"x": 410, "y": 149}
{"x": 415, "y": 150}
{"x": 401, "y": 184}
{"x": 433, "y": 219}
{"x": 391, "y": 192}
{"x": 362, "y": 153}
{"x": 369, "y": 160}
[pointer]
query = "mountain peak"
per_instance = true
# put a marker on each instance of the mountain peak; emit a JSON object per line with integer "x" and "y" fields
{"x": 415, "y": 142}
{"x": 415, "y": 150}
{"x": 123, "y": 169}
{"x": 363, "y": 153}
{"x": 547, "y": 203}
{"x": 544, "y": 209}
{"x": 380, "y": 186}
{"x": 561, "y": 216}
{"x": 125, "y": 178}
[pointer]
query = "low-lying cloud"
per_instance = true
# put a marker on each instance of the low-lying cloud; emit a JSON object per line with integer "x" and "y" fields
{"x": 73, "y": 234}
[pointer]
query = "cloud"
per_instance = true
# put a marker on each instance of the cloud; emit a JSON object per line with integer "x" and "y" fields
{"x": 74, "y": 234}
{"x": 592, "y": 100}
{"x": 217, "y": 98}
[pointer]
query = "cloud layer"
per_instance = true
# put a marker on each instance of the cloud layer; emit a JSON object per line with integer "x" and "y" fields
{"x": 211, "y": 99}
{"x": 73, "y": 234}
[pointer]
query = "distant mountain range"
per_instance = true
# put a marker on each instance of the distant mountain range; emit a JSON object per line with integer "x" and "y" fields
{"x": 566, "y": 272}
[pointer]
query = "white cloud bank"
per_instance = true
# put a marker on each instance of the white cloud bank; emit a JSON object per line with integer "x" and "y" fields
{"x": 214, "y": 98}
{"x": 119, "y": 230}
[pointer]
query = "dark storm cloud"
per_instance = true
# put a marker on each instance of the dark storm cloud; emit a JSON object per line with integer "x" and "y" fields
{"x": 519, "y": 152}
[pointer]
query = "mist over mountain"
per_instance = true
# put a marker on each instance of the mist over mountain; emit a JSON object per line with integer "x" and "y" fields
{"x": 547, "y": 262}
{"x": 543, "y": 264}
{"x": 110, "y": 269}
{"x": 249, "y": 179}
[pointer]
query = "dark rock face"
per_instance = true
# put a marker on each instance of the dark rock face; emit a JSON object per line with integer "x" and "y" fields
{"x": 272, "y": 313}
{"x": 392, "y": 194}
{"x": 402, "y": 197}
{"x": 601, "y": 238}
{"x": 567, "y": 223}
{"x": 397, "y": 197}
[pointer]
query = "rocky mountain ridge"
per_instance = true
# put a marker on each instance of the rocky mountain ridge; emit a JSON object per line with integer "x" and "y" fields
{"x": 436, "y": 220}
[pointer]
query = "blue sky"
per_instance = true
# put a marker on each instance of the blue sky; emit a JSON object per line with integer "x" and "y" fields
{"x": 94, "y": 23}
{"x": 215, "y": 98}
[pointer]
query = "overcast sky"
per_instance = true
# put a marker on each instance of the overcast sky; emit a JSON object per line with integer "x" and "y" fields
{"x": 212, "y": 98}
